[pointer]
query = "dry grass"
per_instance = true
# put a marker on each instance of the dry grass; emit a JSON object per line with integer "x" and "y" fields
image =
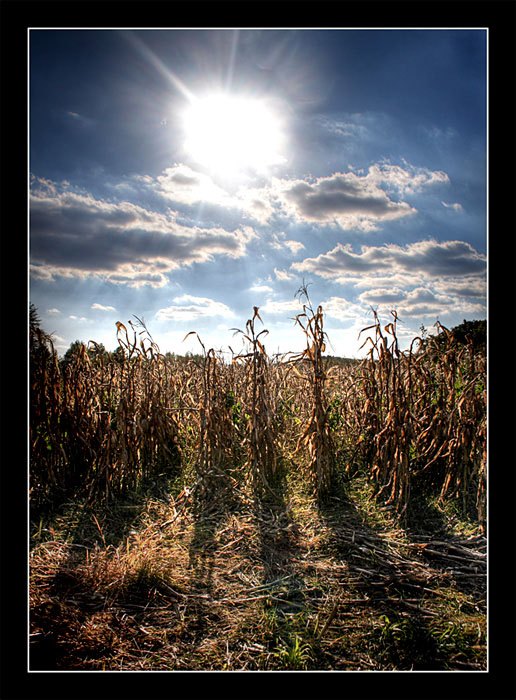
{"x": 262, "y": 587}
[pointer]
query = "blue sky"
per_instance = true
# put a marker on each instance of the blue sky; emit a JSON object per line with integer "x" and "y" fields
{"x": 185, "y": 176}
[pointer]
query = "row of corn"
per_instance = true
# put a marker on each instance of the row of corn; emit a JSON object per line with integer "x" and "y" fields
{"x": 99, "y": 424}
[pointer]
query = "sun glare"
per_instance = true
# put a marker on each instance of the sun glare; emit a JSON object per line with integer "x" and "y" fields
{"x": 231, "y": 135}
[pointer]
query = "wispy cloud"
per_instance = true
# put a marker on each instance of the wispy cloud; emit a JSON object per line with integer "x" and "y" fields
{"x": 441, "y": 137}
{"x": 80, "y": 118}
{"x": 405, "y": 180}
{"x": 279, "y": 242}
{"x": 455, "y": 206}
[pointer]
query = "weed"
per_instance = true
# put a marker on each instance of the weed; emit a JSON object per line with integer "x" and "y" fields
{"x": 293, "y": 654}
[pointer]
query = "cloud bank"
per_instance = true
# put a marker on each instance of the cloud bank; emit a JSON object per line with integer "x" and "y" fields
{"x": 425, "y": 278}
{"x": 428, "y": 258}
{"x": 76, "y": 235}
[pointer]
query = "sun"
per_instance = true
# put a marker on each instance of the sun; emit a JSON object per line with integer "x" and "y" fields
{"x": 233, "y": 135}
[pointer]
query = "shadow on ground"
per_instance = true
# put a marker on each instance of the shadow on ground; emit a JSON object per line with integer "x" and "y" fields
{"x": 400, "y": 585}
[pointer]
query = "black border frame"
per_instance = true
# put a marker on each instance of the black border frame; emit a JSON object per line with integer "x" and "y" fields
{"x": 499, "y": 16}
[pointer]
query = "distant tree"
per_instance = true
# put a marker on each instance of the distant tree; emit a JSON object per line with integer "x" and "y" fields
{"x": 39, "y": 340}
{"x": 474, "y": 332}
{"x": 118, "y": 355}
{"x": 34, "y": 319}
{"x": 97, "y": 352}
{"x": 77, "y": 349}
{"x": 468, "y": 332}
{"x": 194, "y": 357}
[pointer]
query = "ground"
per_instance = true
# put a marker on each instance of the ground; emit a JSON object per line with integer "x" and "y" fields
{"x": 166, "y": 581}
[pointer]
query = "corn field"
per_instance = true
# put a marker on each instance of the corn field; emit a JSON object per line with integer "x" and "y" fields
{"x": 99, "y": 425}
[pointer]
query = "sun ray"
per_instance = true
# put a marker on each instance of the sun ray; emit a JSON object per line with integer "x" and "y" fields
{"x": 157, "y": 63}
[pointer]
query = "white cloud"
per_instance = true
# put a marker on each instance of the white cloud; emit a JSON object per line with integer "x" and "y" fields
{"x": 256, "y": 202}
{"x": 383, "y": 296}
{"x": 418, "y": 302}
{"x": 190, "y": 308}
{"x": 358, "y": 199}
{"x": 349, "y": 200}
{"x": 276, "y": 243}
{"x": 180, "y": 183}
{"x": 352, "y": 200}
{"x": 282, "y": 275}
{"x": 294, "y": 246}
{"x": 100, "y": 307}
{"x": 422, "y": 301}
{"x": 279, "y": 242}
{"x": 341, "y": 309}
{"x": 282, "y": 307}
{"x": 470, "y": 287}
{"x": 53, "y": 311}
{"x": 261, "y": 288}
{"x": 408, "y": 179}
